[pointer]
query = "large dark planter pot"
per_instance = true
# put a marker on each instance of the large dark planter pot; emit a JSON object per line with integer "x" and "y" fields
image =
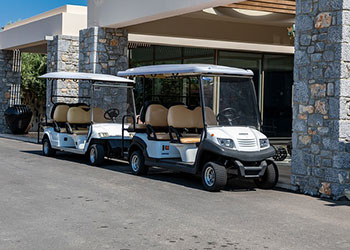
{"x": 18, "y": 118}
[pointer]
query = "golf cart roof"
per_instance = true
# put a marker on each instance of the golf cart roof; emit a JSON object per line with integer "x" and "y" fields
{"x": 169, "y": 70}
{"x": 85, "y": 76}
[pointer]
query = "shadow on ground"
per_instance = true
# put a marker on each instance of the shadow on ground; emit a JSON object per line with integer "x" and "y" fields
{"x": 183, "y": 179}
{"x": 178, "y": 178}
{"x": 333, "y": 203}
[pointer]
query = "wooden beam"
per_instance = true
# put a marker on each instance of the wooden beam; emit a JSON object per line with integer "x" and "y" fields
{"x": 285, "y": 2}
{"x": 274, "y": 6}
{"x": 267, "y": 5}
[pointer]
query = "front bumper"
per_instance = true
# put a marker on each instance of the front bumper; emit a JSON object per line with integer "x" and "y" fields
{"x": 251, "y": 171}
{"x": 238, "y": 155}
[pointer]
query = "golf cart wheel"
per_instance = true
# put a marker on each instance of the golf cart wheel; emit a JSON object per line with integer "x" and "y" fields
{"x": 47, "y": 149}
{"x": 270, "y": 178}
{"x": 281, "y": 154}
{"x": 96, "y": 154}
{"x": 214, "y": 176}
{"x": 137, "y": 163}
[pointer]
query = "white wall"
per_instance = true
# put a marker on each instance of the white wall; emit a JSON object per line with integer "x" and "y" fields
{"x": 29, "y": 34}
{"x": 122, "y": 13}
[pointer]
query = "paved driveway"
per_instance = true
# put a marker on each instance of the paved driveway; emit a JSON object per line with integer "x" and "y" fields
{"x": 62, "y": 203}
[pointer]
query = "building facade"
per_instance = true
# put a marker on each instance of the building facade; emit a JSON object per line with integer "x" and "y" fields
{"x": 302, "y": 84}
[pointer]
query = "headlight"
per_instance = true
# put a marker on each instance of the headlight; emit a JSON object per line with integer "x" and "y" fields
{"x": 264, "y": 143}
{"x": 226, "y": 142}
{"x": 103, "y": 134}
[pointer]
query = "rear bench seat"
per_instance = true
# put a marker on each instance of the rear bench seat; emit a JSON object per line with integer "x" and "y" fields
{"x": 60, "y": 118}
{"x": 98, "y": 116}
{"x": 179, "y": 117}
{"x": 77, "y": 121}
{"x": 156, "y": 122}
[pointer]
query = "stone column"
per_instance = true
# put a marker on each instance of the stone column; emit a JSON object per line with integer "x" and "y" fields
{"x": 321, "y": 117}
{"x": 62, "y": 55}
{"x": 104, "y": 51}
{"x": 7, "y": 79}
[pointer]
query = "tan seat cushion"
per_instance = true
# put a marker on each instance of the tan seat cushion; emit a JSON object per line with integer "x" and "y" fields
{"x": 82, "y": 131}
{"x": 190, "y": 140}
{"x": 63, "y": 130}
{"x": 77, "y": 115}
{"x": 137, "y": 127}
{"x": 163, "y": 136}
{"x": 99, "y": 115}
{"x": 60, "y": 114}
{"x": 156, "y": 116}
{"x": 181, "y": 117}
{"x": 209, "y": 114}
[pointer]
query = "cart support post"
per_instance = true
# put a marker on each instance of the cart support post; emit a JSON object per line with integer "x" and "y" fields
{"x": 123, "y": 129}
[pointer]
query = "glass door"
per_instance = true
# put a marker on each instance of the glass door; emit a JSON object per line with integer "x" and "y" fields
{"x": 278, "y": 81}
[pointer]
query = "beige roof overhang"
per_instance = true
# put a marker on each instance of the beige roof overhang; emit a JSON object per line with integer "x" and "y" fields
{"x": 121, "y": 13}
{"x": 31, "y": 34}
{"x": 212, "y": 44}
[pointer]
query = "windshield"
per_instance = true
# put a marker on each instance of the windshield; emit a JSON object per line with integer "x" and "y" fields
{"x": 232, "y": 99}
{"x": 113, "y": 103}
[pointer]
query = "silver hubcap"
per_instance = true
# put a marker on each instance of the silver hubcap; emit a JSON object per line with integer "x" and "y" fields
{"x": 92, "y": 155}
{"x": 209, "y": 176}
{"x": 135, "y": 163}
{"x": 46, "y": 147}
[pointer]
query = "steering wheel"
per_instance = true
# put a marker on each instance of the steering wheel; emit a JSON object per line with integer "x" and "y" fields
{"x": 229, "y": 114}
{"x": 111, "y": 114}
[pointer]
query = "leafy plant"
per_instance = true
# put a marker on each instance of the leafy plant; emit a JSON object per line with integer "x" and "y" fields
{"x": 33, "y": 65}
{"x": 33, "y": 89}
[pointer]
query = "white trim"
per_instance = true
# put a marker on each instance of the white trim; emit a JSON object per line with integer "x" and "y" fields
{"x": 85, "y": 76}
{"x": 184, "y": 69}
{"x": 190, "y": 42}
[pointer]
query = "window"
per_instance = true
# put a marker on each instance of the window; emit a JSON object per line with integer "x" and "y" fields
{"x": 278, "y": 81}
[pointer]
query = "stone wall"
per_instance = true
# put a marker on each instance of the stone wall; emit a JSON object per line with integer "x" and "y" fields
{"x": 104, "y": 50}
{"x": 321, "y": 101}
{"x": 63, "y": 55}
{"x": 7, "y": 78}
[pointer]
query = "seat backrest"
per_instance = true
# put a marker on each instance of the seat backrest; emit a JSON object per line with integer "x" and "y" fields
{"x": 77, "y": 115}
{"x": 181, "y": 117}
{"x": 209, "y": 114}
{"x": 60, "y": 113}
{"x": 156, "y": 115}
{"x": 99, "y": 115}
{"x": 145, "y": 108}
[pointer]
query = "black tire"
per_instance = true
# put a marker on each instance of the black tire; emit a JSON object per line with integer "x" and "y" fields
{"x": 47, "y": 149}
{"x": 137, "y": 163}
{"x": 281, "y": 154}
{"x": 270, "y": 178}
{"x": 214, "y": 177}
{"x": 96, "y": 154}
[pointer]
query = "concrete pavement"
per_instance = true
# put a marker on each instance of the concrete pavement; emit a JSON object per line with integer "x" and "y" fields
{"x": 62, "y": 203}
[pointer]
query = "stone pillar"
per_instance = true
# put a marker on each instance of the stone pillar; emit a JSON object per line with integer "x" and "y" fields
{"x": 7, "y": 79}
{"x": 104, "y": 51}
{"x": 62, "y": 55}
{"x": 321, "y": 101}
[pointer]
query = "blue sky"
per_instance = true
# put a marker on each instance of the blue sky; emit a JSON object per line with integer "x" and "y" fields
{"x": 12, "y": 10}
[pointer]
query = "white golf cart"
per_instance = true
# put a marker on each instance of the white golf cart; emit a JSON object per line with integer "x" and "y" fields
{"x": 84, "y": 129}
{"x": 212, "y": 131}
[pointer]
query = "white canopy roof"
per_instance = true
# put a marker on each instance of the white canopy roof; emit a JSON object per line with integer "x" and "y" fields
{"x": 85, "y": 76}
{"x": 184, "y": 69}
